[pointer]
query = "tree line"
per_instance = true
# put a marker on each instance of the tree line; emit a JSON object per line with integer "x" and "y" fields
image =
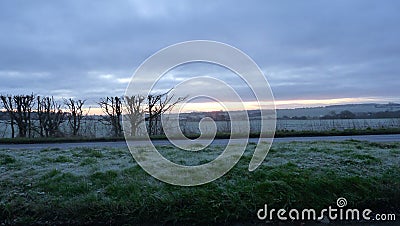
{"x": 346, "y": 114}
{"x": 361, "y": 115}
{"x": 42, "y": 115}
{"x": 137, "y": 109}
{"x": 33, "y": 115}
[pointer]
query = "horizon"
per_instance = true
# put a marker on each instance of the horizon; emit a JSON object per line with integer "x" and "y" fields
{"x": 90, "y": 111}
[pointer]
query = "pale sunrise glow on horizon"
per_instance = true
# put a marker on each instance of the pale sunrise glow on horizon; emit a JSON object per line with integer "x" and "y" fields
{"x": 280, "y": 104}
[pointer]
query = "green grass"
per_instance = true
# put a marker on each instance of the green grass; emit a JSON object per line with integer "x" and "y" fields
{"x": 62, "y": 159}
{"x": 50, "y": 149}
{"x": 58, "y": 159}
{"x": 87, "y": 152}
{"x": 6, "y": 159}
{"x": 294, "y": 175}
{"x": 88, "y": 161}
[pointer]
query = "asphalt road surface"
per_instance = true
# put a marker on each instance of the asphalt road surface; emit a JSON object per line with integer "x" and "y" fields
{"x": 122, "y": 144}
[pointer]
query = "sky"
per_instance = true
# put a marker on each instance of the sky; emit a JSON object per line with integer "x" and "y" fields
{"x": 312, "y": 53}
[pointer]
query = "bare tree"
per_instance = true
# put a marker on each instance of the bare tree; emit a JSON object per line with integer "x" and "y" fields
{"x": 152, "y": 107}
{"x": 8, "y": 105}
{"x": 158, "y": 105}
{"x": 135, "y": 110}
{"x": 75, "y": 114}
{"x": 112, "y": 107}
{"x": 50, "y": 116}
{"x": 19, "y": 108}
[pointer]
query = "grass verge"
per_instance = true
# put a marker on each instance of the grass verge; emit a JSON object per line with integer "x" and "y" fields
{"x": 105, "y": 186}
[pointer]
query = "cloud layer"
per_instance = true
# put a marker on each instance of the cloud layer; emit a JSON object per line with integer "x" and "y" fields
{"x": 307, "y": 49}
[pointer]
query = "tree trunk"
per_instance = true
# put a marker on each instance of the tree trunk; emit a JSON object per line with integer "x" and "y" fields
{"x": 12, "y": 128}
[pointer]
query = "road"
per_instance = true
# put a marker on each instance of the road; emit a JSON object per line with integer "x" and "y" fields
{"x": 122, "y": 144}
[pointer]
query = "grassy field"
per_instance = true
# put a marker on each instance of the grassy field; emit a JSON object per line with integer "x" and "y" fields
{"x": 97, "y": 130}
{"x": 278, "y": 133}
{"x": 106, "y": 186}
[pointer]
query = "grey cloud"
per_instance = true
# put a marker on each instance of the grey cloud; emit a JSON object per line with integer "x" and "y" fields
{"x": 307, "y": 49}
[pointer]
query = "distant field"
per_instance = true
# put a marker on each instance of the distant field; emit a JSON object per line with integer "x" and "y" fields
{"x": 105, "y": 185}
{"x": 339, "y": 124}
{"x": 92, "y": 128}
{"x": 309, "y": 125}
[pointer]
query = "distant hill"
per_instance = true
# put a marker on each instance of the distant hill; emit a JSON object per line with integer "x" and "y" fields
{"x": 321, "y": 111}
